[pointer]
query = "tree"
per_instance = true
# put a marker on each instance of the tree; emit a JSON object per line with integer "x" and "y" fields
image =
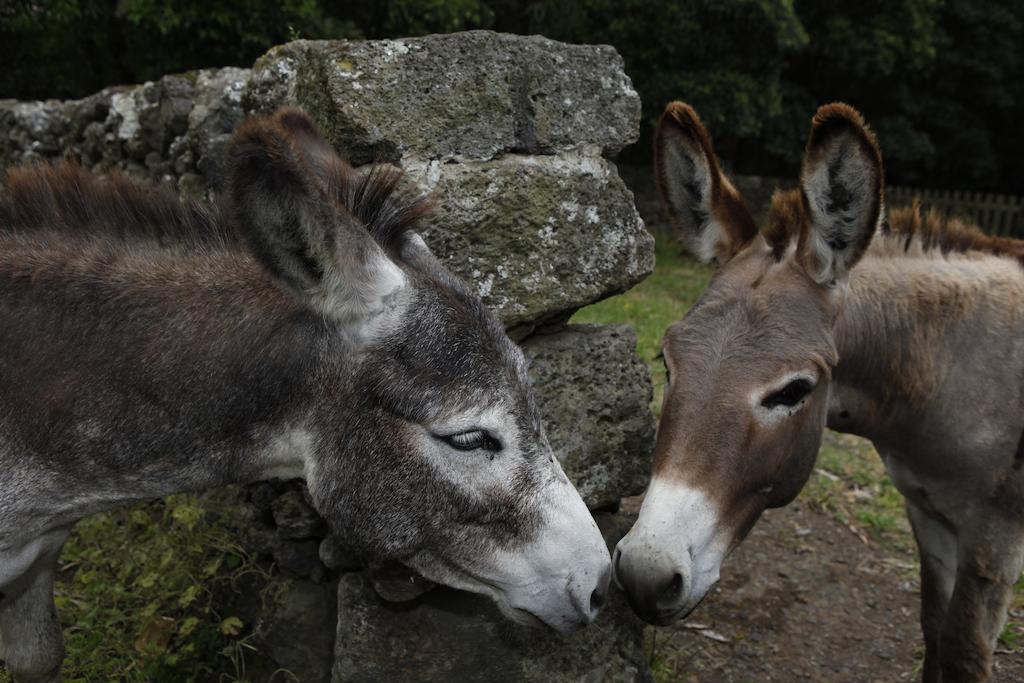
{"x": 940, "y": 80}
{"x": 69, "y": 48}
{"x": 724, "y": 58}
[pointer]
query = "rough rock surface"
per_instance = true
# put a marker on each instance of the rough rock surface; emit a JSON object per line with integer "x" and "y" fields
{"x": 295, "y": 518}
{"x": 171, "y": 130}
{"x": 448, "y": 635}
{"x": 508, "y": 142}
{"x": 595, "y": 390}
{"x": 469, "y": 95}
{"x": 298, "y": 632}
{"x": 538, "y": 236}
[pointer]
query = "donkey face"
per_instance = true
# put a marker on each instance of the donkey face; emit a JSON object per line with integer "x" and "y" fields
{"x": 425, "y": 445}
{"x": 750, "y": 364}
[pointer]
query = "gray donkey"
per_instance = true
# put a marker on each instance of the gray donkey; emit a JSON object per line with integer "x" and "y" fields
{"x": 300, "y": 329}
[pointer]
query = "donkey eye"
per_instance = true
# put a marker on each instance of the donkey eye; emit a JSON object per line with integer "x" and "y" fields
{"x": 790, "y": 395}
{"x": 472, "y": 440}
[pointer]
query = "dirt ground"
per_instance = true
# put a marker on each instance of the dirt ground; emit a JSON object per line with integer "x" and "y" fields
{"x": 804, "y": 599}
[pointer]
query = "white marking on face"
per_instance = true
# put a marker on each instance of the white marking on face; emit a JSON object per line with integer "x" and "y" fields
{"x": 553, "y": 578}
{"x": 679, "y": 530}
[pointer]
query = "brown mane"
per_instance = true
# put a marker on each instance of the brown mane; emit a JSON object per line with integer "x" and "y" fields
{"x": 69, "y": 201}
{"x": 933, "y": 230}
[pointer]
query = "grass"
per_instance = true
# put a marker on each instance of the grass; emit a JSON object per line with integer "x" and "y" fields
{"x": 850, "y": 484}
{"x": 138, "y": 594}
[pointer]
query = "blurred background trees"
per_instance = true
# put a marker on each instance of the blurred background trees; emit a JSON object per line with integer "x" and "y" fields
{"x": 941, "y": 81}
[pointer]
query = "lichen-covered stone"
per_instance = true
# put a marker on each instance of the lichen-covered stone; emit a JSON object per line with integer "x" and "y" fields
{"x": 447, "y": 635}
{"x": 217, "y": 110}
{"x": 165, "y": 130}
{"x": 31, "y": 131}
{"x": 594, "y": 393}
{"x": 472, "y": 95}
{"x": 536, "y": 236}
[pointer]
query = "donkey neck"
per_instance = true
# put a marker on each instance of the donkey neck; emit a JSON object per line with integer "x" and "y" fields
{"x": 916, "y": 327}
{"x": 161, "y": 373}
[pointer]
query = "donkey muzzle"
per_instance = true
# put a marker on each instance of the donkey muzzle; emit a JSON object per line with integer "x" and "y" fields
{"x": 656, "y": 587}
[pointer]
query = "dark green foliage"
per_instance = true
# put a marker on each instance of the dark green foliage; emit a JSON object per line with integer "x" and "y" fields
{"x": 725, "y": 58}
{"x": 942, "y": 81}
{"x": 939, "y": 80}
{"x": 70, "y": 48}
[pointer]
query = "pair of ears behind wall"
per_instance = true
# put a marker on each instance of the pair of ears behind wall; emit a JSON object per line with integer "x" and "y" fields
{"x": 833, "y": 219}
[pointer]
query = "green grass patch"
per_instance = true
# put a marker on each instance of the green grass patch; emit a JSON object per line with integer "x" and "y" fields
{"x": 138, "y": 594}
{"x": 850, "y": 483}
{"x": 1012, "y": 637}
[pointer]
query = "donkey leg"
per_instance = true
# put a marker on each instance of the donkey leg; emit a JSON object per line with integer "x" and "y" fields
{"x": 30, "y": 630}
{"x": 937, "y": 547}
{"x": 977, "y": 612}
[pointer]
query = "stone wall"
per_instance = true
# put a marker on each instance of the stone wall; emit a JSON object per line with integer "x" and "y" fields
{"x": 511, "y": 136}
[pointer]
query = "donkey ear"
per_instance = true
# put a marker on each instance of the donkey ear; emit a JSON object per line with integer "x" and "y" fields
{"x": 278, "y": 196}
{"x": 700, "y": 201}
{"x": 306, "y": 138}
{"x": 842, "y": 182}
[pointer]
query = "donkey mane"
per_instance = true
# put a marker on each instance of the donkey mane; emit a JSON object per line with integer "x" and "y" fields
{"x": 903, "y": 227}
{"x": 57, "y": 201}
{"x": 63, "y": 200}
{"x": 936, "y": 231}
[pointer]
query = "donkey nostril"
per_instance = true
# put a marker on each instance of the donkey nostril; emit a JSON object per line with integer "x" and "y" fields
{"x": 597, "y": 599}
{"x": 673, "y": 588}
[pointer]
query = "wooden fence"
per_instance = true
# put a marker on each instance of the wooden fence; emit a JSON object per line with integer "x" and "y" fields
{"x": 996, "y": 214}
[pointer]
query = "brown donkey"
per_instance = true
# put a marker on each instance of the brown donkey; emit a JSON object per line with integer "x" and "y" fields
{"x": 149, "y": 347}
{"x": 908, "y": 333}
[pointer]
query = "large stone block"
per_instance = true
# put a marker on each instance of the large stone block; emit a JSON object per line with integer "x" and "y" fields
{"x": 447, "y": 635}
{"x": 537, "y": 236}
{"x": 595, "y": 395}
{"x": 471, "y": 95}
